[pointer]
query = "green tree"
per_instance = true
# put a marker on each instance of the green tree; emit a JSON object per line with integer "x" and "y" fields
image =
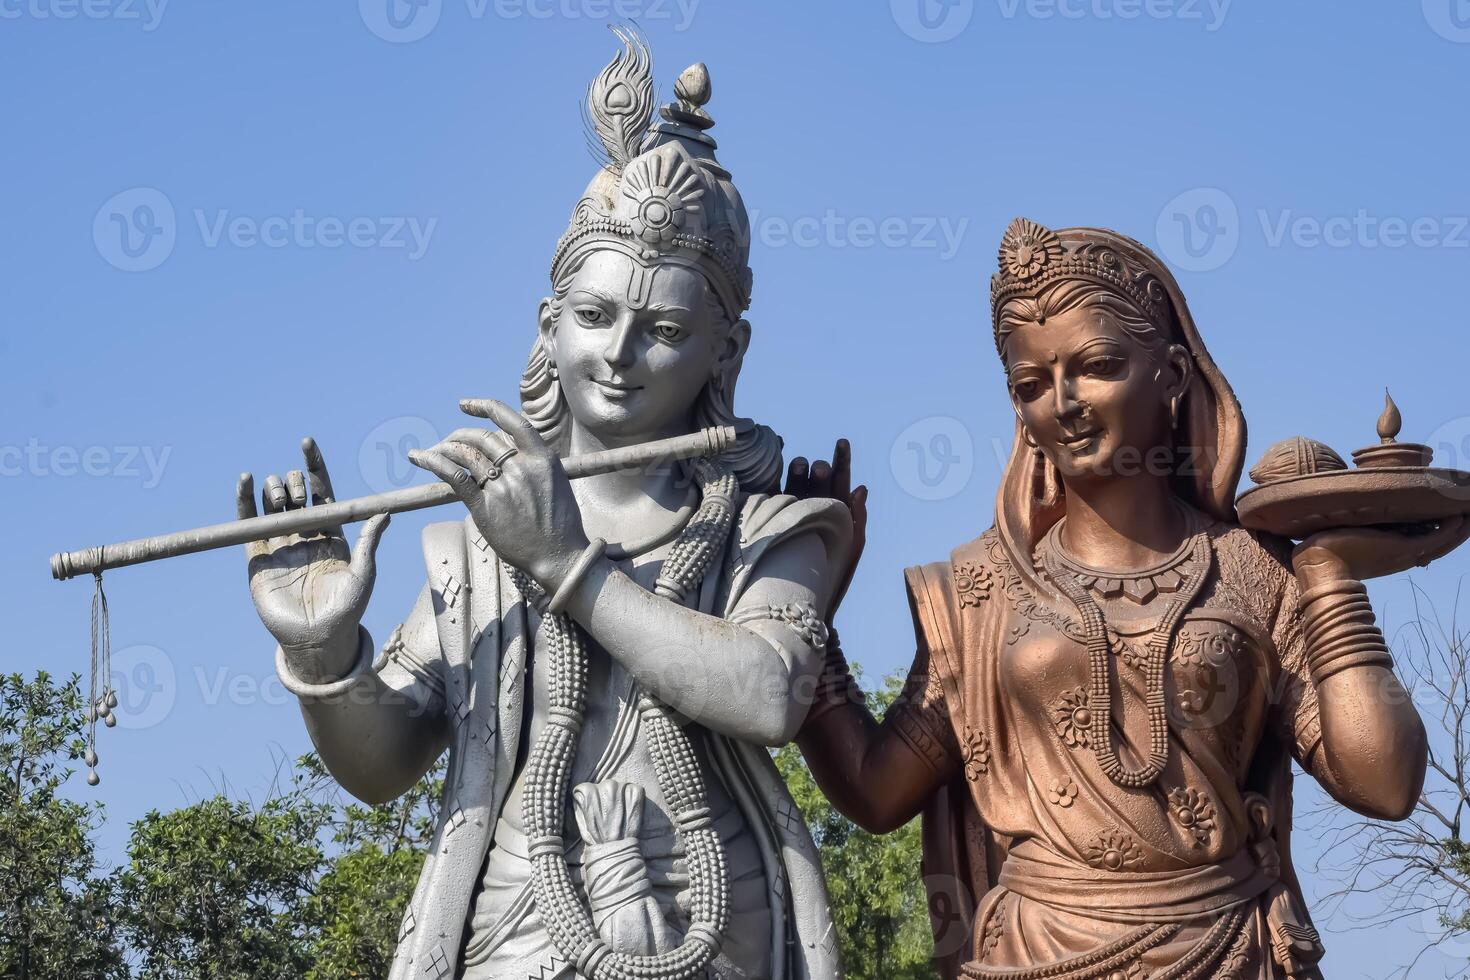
{"x": 358, "y": 904}
{"x": 219, "y": 889}
{"x": 56, "y": 908}
{"x": 877, "y": 890}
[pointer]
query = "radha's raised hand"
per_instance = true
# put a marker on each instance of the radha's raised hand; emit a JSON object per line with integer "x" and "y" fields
{"x": 515, "y": 488}
{"x": 309, "y": 590}
{"x": 834, "y": 480}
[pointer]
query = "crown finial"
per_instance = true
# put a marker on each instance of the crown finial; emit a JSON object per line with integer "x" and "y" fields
{"x": 1390, "y": 422}
{"x": 693, "y": 87}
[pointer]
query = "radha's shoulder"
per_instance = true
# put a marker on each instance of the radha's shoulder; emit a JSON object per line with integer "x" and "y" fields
{"x": 1253, "y": 570}
{"x": 939, "y": 592}
{"x": 969, "y": 569}
{"x": 1251, "y": 557}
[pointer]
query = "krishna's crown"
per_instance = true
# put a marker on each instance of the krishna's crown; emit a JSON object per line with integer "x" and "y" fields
{"x": 661, "y": 194}
{"x": 1033, "y": 257}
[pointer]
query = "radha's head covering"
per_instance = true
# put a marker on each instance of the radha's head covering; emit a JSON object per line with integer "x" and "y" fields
{"x": 1210, "y": 438}
{"x": 661, "y": 194}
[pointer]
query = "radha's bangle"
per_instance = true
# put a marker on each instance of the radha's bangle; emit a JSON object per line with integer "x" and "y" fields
{"x": 1340, "y": 630}
{"x": 330, "y": 689}
{"x": 569, "y": 585}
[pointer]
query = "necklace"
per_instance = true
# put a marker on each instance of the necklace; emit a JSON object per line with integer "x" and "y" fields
{"x": 1099, "y": 681}
{"x": 676, "y": 767}
{"x": 1140, "y": 587}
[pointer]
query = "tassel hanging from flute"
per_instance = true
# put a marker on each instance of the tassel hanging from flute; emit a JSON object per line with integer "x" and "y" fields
{"x": 102, "y": 699}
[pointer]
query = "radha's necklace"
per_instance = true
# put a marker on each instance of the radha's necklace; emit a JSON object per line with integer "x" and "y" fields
{"x": 1193, "y": 560}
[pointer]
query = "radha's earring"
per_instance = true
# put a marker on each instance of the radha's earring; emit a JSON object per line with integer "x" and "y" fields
{"x": 1029, "y": 440}
{"x": 552, "y": 372}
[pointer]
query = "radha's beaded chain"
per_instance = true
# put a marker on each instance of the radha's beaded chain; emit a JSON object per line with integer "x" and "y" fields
{"x": 549, "y": 773}
{"x": 1099, "y": 681}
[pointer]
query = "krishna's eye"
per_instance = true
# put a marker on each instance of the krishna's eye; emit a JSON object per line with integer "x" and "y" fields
{"x": 592, "y": 316}
{"x": 670, "y": 332}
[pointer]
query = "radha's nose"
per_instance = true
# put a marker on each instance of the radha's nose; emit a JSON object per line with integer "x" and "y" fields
{"x": 619, "y": 351}
{"x": 1065, "y": 403}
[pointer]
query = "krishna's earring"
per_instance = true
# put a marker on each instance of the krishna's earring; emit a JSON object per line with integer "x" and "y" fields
{"x": 1174, "y": 412}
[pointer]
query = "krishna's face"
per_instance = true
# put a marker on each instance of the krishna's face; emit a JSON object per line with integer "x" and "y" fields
{"x": 634, "y": 344}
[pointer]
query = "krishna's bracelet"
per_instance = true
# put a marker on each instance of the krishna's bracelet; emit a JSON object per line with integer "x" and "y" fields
{"x": 329, "y": 689}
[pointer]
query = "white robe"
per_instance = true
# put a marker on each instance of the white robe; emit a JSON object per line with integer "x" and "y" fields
{"x": 479, "y": 679}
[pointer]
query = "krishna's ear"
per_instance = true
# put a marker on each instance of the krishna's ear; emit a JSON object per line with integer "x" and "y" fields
{"x": 737, "y": 342}
{"x": 545, "y": 322}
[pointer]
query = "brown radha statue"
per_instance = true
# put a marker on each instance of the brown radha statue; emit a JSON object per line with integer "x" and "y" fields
{"x": 1112, "y": 682}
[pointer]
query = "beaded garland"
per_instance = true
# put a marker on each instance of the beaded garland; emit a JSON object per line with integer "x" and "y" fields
{"x": 549, "y": 772}
{"x": 1156, "y": 659}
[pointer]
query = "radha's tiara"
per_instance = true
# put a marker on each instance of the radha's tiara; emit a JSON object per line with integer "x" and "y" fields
{"x": 1033, "y": 257}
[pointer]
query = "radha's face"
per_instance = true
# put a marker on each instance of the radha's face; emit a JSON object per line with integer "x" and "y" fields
{"x": 635, "y": 344}
{"x": 1094, "y": 399}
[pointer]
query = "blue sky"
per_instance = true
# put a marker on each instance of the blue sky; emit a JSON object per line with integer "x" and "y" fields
{"x": 339, "y": 216}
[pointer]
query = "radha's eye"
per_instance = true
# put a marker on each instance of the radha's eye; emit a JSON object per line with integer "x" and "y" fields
{"x": 1104, "y": 367}
{"x": 670, "y": 332}
{"x": 1026, "y": 388}
{"x": 592, "y": 316}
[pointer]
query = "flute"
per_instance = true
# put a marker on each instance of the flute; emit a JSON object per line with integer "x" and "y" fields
{"x": 93, "y": 561}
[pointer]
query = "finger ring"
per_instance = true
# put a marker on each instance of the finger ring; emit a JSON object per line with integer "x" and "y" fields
{"x": 492, "y": 474}
{"x": 500, "y": 460}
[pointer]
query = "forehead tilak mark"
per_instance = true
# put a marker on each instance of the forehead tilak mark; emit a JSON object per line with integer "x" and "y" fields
{"x": 640, "y": 285}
